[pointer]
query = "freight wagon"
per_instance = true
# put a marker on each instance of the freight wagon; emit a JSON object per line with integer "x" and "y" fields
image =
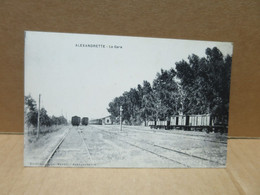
{"x": 192, "y": 122}
{"x": 75, "y": 121}
{"x": 84, "y": 121}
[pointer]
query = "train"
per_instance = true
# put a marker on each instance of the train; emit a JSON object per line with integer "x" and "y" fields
{"x": 95, "y": 122}
{"x": 75, "y": 121}
{"x": 205, "y": 122}
{"x": 84, "y": 121}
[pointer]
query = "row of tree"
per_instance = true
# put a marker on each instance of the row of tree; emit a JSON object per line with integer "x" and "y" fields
{"x": 31, "y": 115}
{"x": 196, "y": 86}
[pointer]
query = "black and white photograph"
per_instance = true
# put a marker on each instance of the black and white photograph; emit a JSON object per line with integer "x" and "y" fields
{"x": 125, "y": 102}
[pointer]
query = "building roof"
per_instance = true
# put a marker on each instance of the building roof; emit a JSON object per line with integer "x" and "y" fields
{"x": 105, "y": 117}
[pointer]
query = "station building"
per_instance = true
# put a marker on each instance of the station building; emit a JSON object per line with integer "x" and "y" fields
{"x": 107, "y": 120}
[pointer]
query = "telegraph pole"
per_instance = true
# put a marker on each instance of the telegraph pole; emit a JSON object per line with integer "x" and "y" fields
{"x": 121, "y": 109}
{"x": 38, "y": 121}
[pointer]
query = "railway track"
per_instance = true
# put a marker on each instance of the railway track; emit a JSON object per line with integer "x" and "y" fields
{"x": 170, "y": 154}
{"x": 86, "y": 146}
{"x": 144, "y": 145}
{"x": 57, "y": 148}
{"x": 152, "y": 152}
{"x": 144, "y": 149}
{"x": 194, "y": 137}
{"x": 46, "y": 163}
{"x": 161, "y": 132}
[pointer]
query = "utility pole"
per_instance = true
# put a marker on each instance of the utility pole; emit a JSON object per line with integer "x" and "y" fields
{"x": 38, "y": 121}
{"x": 121, "y": 109}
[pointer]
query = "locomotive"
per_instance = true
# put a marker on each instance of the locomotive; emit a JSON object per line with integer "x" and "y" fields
{"x": 84, "y": 121}
{"x": 192, "y": 122}
{"x": 75, "y": 121}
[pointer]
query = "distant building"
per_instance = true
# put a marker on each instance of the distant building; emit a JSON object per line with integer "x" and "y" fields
{"x": 107, "y": 120}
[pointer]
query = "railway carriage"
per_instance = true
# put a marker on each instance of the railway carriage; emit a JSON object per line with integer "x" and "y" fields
{"x": 84, "y": 121}
{"x": 192, "y": 122}
{"x": 95, "y": 122}
{"x": 75, "y": 121}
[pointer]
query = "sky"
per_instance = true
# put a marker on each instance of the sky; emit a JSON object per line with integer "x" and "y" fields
{"x": 79, "y": 74}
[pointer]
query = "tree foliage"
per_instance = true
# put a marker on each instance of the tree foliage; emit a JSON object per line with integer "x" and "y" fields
{"x": 196, "y": 86}
{"x": 31, "y": 115}
{"x": 205, "y": 83}
{"x": 31, "y": 112}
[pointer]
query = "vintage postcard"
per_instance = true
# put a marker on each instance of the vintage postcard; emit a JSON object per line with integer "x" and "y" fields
{"x": 121, "y": 101}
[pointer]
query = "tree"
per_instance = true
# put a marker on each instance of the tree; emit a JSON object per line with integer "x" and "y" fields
{"x": 166, "y": 93}
{"x": 31, "y": 115}
{"x": 61, "y": 120}
{"x": 30, "y": 111}
{"x": 197, "y": 86}
{"x": 205, "y": 83}
{"x": 147, "y": 98}
{"x": 45, "y": 120}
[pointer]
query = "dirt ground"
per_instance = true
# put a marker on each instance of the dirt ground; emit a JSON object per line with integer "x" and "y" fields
{"x": 134, "y": 146}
